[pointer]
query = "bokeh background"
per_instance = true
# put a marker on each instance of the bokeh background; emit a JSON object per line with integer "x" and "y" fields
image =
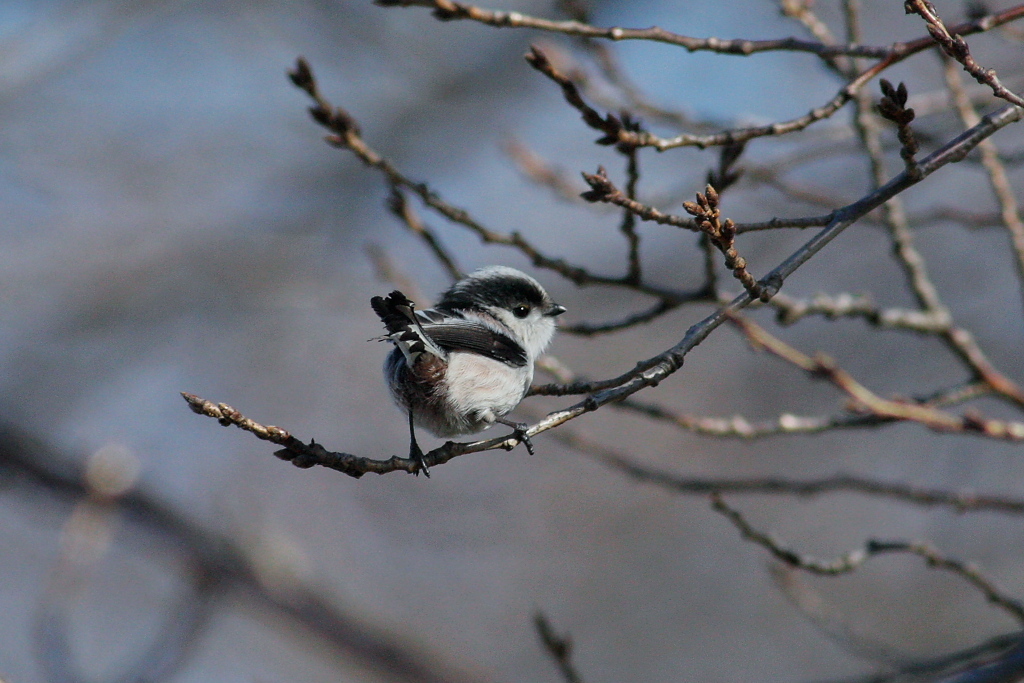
{"x": 174, "y": 222}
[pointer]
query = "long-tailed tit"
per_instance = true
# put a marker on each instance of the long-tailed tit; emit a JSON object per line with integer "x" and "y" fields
{"x": 463, "y": 365}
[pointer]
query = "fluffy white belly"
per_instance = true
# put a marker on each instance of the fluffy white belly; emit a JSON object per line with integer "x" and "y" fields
{"x": 484, "y": 389}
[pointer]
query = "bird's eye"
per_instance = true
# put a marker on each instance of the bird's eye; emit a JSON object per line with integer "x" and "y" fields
{"x": 521, "y": 311}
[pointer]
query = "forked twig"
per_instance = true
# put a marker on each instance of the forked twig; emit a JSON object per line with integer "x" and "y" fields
{"x": 854, "y": 559}
{"x": 865, "y": 401}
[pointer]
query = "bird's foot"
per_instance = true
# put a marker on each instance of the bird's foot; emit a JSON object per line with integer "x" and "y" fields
{"x": 519, "y": 428}
{"x": 416, "y": 453}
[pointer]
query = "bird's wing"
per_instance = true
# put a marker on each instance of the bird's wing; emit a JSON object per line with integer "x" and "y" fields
{"x": 430, "y": 331}
{"x": 458, "y": 334}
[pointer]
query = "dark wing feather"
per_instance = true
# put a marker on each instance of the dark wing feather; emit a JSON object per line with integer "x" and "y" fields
{"x": 403, "y": 323}
{"x": 430, "y": 331}
{"x": 474, "y": 337}
{"x": 395, "y": 311}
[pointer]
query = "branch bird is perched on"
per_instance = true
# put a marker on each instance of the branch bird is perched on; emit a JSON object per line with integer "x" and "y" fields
{"x": 463, "y": 365}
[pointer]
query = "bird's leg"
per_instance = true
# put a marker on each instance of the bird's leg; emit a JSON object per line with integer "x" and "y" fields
{"x": 415, "y": 453}
{"x": 520, "y": 431}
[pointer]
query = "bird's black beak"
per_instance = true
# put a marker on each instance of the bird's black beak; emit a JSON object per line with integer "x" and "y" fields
{"x": 555, "y": 310}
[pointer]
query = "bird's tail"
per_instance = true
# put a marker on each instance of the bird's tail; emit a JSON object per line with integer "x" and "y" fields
{"x": 398, "y": 313}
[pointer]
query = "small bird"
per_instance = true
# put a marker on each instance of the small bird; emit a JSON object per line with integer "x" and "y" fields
{"x": 461, "y": 366}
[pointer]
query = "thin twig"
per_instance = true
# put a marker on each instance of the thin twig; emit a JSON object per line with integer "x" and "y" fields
{"x": 864, "y": 401}
{"x": 559, "y": 647}
{"x": 602, "y": 189}
{"x": 610, "y": 125}
{"x": 615, "y": 133}
{"x": 738, "y": 427}
{"x": 802, "y": 12}
{"x": 446, "y": 10}
{"x": 790, "y": 310}
{"x": 953, "y": 44}
{"x": 854, "y": 559}
{"x": 660, "y": 308}
{"x": 345, "y": 133}
{"x": 304, "y": 456}
{"x": 400, "y": 207}
{"x": 958, "y": 501}
{"x": 710, "y": 261}
{"x": 628, "y": 226}
{"x": 996, "y": 660}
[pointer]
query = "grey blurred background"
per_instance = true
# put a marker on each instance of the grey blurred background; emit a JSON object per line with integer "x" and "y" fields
{"x": 174, "y": 222}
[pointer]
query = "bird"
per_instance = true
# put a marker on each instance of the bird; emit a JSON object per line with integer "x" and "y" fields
{"x": 466, "y": 363}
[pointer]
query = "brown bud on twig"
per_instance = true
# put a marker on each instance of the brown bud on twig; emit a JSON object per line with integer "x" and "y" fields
{"x": 302, "y": 75}
{"x": 723, "y": 237}
{"x": 600, "y": 186}
{"x": 893, "y": 108}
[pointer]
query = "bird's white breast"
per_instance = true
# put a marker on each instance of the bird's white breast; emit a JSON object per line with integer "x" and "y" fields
{"x": 484, "y": 389}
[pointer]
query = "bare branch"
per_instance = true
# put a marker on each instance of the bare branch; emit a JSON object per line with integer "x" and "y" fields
{"x": 628, "y": 225}
{"x": 959, "y": 501}
{"x": 660, "y": 308}
{"x": 789, "y": 311}
{"x": 400, "y": 207}
{"x": 654, "y": 370}
{"x": 738, "y": 427}
{"x": 956, "y": 47}
{"x": 854, "y": 559}
{"x": 559, "y": 647}
{"x": 610, "y": 126}
{"x": 304, "y": 456}
{"x": 446, "y": 10}
{"x": 540, "y": 172}
{"x": 866, "y": 401}
{"x": 346, "y": 134}
{"x": 615, "y": 132}
{"x": 602, "y": 189}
